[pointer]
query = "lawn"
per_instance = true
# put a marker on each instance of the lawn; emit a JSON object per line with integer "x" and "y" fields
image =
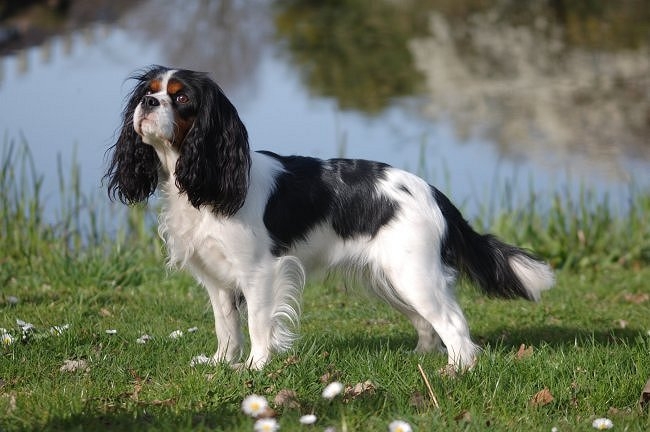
{"x": 581, "y": 353}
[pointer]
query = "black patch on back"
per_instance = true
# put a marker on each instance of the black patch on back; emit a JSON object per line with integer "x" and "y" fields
{"x": 311, "y": 191}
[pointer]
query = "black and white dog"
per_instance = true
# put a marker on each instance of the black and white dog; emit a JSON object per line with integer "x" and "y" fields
{"x": 253, "y": 223}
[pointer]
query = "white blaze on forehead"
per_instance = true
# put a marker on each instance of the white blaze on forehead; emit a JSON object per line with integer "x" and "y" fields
{"x": 156, "y": 126}
{"x": 160, "y": 84}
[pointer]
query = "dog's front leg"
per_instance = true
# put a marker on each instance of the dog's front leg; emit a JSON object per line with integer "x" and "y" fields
{"x": 260, "y": 325}
{"x": 227, "y": 324}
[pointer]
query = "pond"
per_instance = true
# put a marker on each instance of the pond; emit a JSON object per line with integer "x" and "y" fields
{"x": 482, "y": 98}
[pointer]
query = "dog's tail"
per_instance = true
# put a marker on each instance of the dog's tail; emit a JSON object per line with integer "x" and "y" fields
{"x": 500, "y": 269}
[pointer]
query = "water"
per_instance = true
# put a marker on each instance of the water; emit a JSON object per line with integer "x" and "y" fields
{"x": 481, "y": 104}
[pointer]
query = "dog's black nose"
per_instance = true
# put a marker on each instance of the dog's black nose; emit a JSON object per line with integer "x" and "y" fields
{"x": 150, "y": 101}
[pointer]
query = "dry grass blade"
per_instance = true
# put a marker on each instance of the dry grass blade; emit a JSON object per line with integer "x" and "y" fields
{"x": 434, "y": 399}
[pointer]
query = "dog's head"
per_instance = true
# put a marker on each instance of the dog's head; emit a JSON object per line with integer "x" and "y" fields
{"x": 179, "y": 123}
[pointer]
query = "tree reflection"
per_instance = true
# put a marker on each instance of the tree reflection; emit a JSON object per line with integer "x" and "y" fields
{"x": 353, "y": 50}
{"x": 535, "y": 78}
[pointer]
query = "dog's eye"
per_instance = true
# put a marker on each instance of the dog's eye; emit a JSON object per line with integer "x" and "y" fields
{"x": 182, "y": 98}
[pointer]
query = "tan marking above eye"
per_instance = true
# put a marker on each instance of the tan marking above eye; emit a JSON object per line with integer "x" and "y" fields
{"x": 174, "y": 86}
{"x": 155, "y": 86}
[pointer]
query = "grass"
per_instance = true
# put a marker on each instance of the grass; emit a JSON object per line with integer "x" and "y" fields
{"x": 589, "y": 335}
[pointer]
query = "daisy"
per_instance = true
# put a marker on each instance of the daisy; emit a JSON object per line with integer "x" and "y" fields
{"x": 192, "y": 329}
{"x": 175, "y": 334}
{"x": 201, "y": 359}
{"x": 6, "y": 338}
{"x": 143, "y": 339}
{"x": 254, "y": 405}
{"x": 332, "y": 390}
{"x": 111, "y": 331}
{"x": 266, "y": 425}
{"x": 58, "y": 330}
{"x": 307, "y": 419}
{"x": 25, "y": 326}
{"x": 399, "y": 426}
{"x": 602, "y": 424}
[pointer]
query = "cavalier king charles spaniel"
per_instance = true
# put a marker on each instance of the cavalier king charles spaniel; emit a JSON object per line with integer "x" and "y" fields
{"x": 252, "y": 224}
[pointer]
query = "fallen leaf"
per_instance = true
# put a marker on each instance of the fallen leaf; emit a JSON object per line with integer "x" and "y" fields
{"x": 137, "y": 384}
{"x": 286, "y": 398}
{"x": 463, "y": 416}
{"x": 103, "y": 312}
{"x": 74, "y": 365}
{"x": 418, "y": 400}
{"x": 12, "y": 402}
{"x": 644, "y": 400}
{"x": 331, "y": 376}
{"x": 524, "y": 352}
{"x": 267, "y": 413}
{"x": 636, "y": 298}
{"x": 449, "y": 371}
{"x": 542, "y": 397}
{"x": 359, "y": 389}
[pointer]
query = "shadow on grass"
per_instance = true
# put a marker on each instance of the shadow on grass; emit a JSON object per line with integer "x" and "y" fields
{"x": 506, "y": 338}
{"x": 557, "y": 336}
{"x": 144, "y": 419}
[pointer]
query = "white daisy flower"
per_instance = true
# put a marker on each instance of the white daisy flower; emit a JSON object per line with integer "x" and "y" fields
{"x": 602, "y": 424}
{"x": 175, "y": 334}
{"x": 200, "y": 359}
{"x": 192, "y": 329}
{"x": 307, "y": 419}
{"x": 254, "y": 405}
{"x": 332, "y": 390}
{"x": 143, "y": 339}
{"x": 266, "y": 425}
{"x": 399, "y": 426}
{"x": 58, "y": 330}
{"x": 25, "y": 326}
{"x": 6, "y": 338}
{"x": 111, "y": 331}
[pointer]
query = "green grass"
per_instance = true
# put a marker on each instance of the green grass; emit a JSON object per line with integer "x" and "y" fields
{"x": 589, "y": 335}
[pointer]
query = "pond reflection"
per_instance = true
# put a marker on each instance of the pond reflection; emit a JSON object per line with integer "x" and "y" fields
{"x": 458, "y": 91}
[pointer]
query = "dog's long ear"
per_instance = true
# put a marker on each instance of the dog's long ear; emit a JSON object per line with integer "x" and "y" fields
{"x": 214, "y": 164}
{"x": 133, "y": 170}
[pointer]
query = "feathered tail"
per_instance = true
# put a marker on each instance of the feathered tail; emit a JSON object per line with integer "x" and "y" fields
{"x": 500, "y": 269}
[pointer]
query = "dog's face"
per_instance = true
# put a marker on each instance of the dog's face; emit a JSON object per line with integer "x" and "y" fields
{"x": 179, "y": 122}
{"x": 167, "y": 110}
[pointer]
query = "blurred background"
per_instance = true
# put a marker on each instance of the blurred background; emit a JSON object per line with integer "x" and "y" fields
{"x": 480, "y": 97}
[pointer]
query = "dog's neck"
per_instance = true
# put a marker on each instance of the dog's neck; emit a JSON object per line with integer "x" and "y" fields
{"x": 167, "y": 154}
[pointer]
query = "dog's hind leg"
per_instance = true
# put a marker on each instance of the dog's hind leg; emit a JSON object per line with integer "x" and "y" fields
{"x": 426, "y": 294}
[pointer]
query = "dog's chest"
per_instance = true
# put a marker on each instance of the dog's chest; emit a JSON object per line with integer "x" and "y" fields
{"x": 210, "y": 246}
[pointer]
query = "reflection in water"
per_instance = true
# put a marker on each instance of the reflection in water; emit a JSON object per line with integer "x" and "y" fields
{"x": 550, "y": 82}
{"x": 356, "y": 52}
{"x": 538, "y": 79}
{"x": 225, "y": 38}
{"x": 532, "y": 95}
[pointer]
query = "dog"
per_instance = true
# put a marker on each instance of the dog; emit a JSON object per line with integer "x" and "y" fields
{"x": 253, "y": 224}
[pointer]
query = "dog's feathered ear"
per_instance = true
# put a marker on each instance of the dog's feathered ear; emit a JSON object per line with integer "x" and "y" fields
{"x": 214, "y": 163}
{"x": 133, "y": 171}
